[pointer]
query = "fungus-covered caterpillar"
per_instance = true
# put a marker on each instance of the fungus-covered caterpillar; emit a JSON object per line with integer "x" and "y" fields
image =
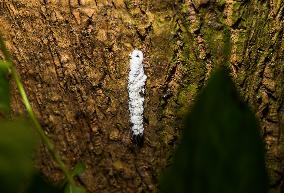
{"x": 136, "y": 91}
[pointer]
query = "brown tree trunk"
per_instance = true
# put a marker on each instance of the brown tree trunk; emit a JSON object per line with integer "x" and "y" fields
{"x": 73, "y": 59}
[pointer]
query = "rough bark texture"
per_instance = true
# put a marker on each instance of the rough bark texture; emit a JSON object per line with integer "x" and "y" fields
{"x": 73, "y": 59}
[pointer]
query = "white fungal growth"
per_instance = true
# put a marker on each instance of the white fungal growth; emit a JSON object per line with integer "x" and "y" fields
{"x": 136, "y": 91}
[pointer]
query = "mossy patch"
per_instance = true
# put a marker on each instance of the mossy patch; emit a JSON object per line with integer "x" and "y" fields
{"x": 185, "y": 97}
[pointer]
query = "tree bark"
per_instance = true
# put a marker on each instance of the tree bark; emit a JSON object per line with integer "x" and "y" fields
{"x": 73, "y": 59}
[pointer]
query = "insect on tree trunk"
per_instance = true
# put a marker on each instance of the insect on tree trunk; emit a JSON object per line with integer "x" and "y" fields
{"x": 73, "y": 59}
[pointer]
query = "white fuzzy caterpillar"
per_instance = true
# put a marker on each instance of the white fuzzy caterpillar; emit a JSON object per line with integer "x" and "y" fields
{"x": 136, "y": 91}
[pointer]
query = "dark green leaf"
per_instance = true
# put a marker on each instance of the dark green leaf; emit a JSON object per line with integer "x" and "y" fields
{"x": 4, "y": 88}
{"x": 39, "y": 184}
{"x": 221, "y": 149}
{"x": 4, "y": 66}
{"x": 17, "y": 145}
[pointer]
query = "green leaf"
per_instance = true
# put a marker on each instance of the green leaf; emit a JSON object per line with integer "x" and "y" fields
{"x": 39, "y": 184}
{"x": 17, "y": 145}
{"x": 4, "y": 88}
{"x": 221, "y": 148}
{"x": 4, "y": 65}
{"x": 78, "y": 169}
{"x": 74, "y": 189}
